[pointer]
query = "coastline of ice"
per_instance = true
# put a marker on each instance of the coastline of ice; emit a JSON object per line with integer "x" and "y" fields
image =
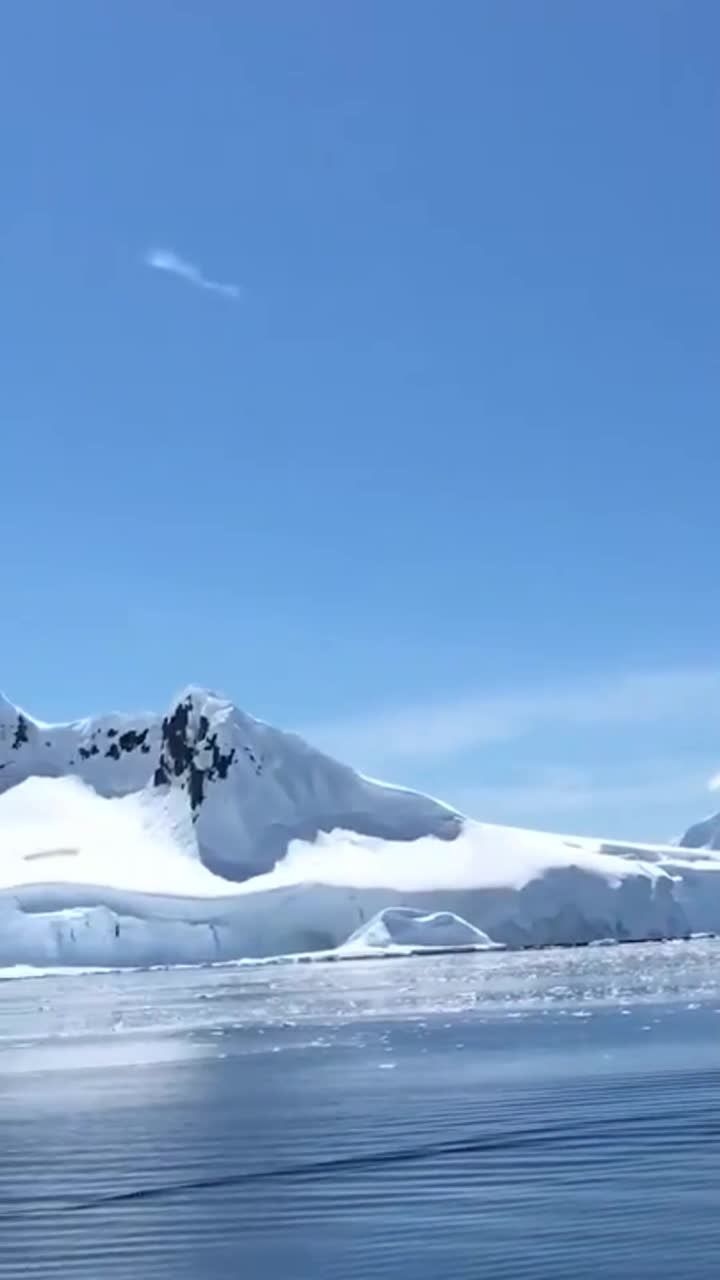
{"x": 128, "y": 895}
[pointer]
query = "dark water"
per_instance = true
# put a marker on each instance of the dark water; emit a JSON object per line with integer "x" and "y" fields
{"x": 540, "y": 1115}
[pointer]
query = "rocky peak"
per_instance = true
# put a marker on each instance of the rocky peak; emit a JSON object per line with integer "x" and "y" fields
{"x": 195, "y": 746}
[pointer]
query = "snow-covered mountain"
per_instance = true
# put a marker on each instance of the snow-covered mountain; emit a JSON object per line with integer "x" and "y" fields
{"x": 249, "y": 788}
{"x": 703, "y": 835}
{"x": 205, "y": 834}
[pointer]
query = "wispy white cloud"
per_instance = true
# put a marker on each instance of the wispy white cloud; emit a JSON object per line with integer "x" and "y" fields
{"x": 551, "y": 793}
{"x": 168, "y": 260}
{"x": 438, "y": 730}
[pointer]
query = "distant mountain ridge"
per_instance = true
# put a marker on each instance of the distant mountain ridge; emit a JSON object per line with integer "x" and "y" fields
{"x": 702, "y": 835}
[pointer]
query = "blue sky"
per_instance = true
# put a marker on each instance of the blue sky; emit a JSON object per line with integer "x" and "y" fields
{"x": 360, "y": 360}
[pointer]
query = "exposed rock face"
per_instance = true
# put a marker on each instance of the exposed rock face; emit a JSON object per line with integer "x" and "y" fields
{"x": 189, "y": 750}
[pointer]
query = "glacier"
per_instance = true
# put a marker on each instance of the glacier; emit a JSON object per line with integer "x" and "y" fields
{"x": 207, "y": 836}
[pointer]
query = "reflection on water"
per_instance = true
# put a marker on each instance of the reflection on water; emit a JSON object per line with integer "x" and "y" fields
{"x": 550, "y": 1114}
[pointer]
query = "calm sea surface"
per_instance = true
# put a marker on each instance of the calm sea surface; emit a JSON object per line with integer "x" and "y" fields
{"x": 545, "y": 1114}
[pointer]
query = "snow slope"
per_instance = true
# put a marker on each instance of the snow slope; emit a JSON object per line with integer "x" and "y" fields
{"x": 703, "y": 835}
{"x": 205, "y": 835}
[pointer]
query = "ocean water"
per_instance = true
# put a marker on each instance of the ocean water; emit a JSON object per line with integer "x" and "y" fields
{"x": 544, "y": 1115}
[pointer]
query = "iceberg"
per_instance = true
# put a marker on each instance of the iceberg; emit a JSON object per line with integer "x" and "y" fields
{"x": 206, "y": 836}
{"x": 405, "y": 929}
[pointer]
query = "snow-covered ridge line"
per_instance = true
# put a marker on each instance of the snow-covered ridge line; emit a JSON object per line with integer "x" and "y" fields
{"x": 248, "y": 789}
{"x": 206, "y": 835}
